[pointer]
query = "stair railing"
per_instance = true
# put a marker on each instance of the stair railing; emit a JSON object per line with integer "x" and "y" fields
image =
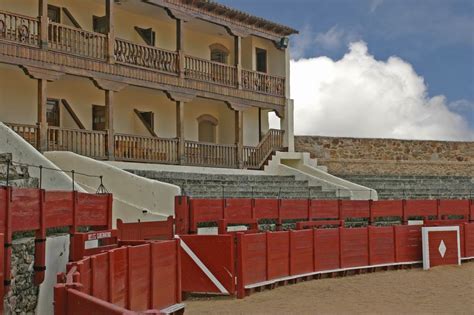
{"x": 255, "y": 157}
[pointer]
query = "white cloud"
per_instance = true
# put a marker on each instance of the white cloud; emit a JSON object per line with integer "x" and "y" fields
{"x": 330, "y": 40}
{"x": 360, "y": 96}
{"x": 374, "y": 4}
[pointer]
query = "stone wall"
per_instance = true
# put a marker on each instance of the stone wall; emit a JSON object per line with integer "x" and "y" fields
{"x": 353, "y": 156}
{"x": 23, "y": 294}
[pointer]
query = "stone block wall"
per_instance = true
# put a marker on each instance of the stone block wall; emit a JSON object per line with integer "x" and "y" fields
{"x": 358, "y": 156}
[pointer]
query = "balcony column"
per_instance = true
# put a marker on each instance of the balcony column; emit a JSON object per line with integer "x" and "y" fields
{"x": 180, "y": 131}
{"x": 109, "y": 124}
{"x": 287, "y": 125}
{"x": 42, "y": 121}
{"x": 180, "y": 47}
{"x": 238, "y": 59}
{"x": 110, "y": 88}
{"x": 239, "y": 136}
{"x": 109, "y": 8}
{"x": 43, "y": 16}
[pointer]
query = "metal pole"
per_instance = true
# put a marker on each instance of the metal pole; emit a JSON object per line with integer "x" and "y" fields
{"x": 8, "y": 172}
{"x": 41, "y": 177}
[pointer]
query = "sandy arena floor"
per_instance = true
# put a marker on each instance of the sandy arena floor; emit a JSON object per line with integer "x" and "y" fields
{"x": 442, "y": 290}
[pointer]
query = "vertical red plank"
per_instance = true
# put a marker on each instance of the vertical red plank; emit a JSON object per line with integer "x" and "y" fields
{"x": 118, "y": 259}
{"x": 354, "y": 247}
{"x": 326, "y": 249}
{"x": 325, "y": 209}
{"x": 100, "y": 276}
{"x": 2, "y": 272}
{"x": 254, "y": 258}
{"x": 8, "y": 239}
{"x": 240, "y": 266}
{"x": 164, "y": 274}
{"x": 469, "y": 240}
{"x": 139, "y": 277}
{"x": 354, "y": 209}
{"x": 301, "y": 248}
{"x": 381, "y": 245}
{"x": 408, "y": 243}
{"x": 278, "y": 255}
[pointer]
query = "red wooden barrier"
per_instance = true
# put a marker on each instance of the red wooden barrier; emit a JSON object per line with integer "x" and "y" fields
{"x": 354, "y": 247}
{"x": 36, "y": 210}
{"x": 208, "y": 263}
{"x": 301, "y": 249}
{"x": 278, "y": 255}
{"x": 381, "y": 245}
{"x": 326, "y": 249}
{"x": 126, "y": 280}
{"x": 191, "y": 212}
{"x": 159, "y": 230}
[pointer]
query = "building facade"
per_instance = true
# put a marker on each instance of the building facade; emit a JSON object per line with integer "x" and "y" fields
{"x": 164, "y": 81}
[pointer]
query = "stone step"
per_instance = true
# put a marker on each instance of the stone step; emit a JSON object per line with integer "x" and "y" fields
{"x": 200, "y": 176}
{"x": 233, "y": 183}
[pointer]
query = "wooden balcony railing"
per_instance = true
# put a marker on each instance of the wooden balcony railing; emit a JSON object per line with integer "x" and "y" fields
{"x": 146, "y": 149}
{"x": 84, "y": 142}
{"x": 210, "y": 154}
{"x": 210, "y": 71}
{"x": 255, "y": 157}
{"x": 146, "y": 56}
{"x": 19, "y": 28}
{"x": 263, "y": 83}
{"x": 27, "y": 132}
{"x": 77, "y": 41}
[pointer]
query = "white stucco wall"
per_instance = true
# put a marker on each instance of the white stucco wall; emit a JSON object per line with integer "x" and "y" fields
{"x": 135, "y": 198}
{"x": 57, "y": 256}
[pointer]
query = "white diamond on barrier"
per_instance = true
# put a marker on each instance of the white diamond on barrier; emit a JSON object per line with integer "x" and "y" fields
{"x": 442, "y": 248}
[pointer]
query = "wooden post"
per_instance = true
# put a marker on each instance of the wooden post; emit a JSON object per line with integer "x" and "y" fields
{"x": 109, "y": 8}
{"x": 109, "y": 124}
{"x": 43, "y": 16}
{"x": 239, "y": 136}
{"x": 260, "y": 124}
{"x": 42, "y": 120}
{"x": 180, "y": 47}
{"x": 238, "y": 59}
{"x": 180, "y": 131}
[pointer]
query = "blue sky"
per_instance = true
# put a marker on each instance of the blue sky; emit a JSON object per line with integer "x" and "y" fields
{"x": 435, "y": 36}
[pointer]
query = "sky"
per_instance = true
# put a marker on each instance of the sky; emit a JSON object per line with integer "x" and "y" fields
{"x": 379, "y": 68}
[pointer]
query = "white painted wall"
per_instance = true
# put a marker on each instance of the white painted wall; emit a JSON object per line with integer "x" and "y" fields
{"x": 132, "y": 194}
{"x": 57, "y": 256}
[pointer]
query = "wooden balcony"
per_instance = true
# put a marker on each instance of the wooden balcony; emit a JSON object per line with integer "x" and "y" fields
{"x": 91, "y": 51}
{"x": 133, "y": 148}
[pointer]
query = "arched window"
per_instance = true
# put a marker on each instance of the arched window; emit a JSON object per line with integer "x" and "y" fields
{"x": 219, "y": 53}
{"x": 207, "y": 128}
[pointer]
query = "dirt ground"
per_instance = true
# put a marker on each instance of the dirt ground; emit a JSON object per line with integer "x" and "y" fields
{"x": 441, "y": 290}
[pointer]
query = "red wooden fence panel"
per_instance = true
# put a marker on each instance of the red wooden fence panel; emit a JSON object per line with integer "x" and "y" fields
{"x": 157, "y": 230}
{"x": 93, "y": 210}
{"x": 294, "y": 209}
{"x": 266, "y": 208}
{"x": 381, "y": 245}
{"x": 2, "y": 270}
{"x": 58, "y": 208}
{"x": 118, "y": 261}
{"x": 454, "y": 207}
{"x": 238, "y": 209}
{"x": 165, "y": 274}
{"x": 25, "y": 209}
{"x": 216, "y": 252}
{"x": 100, "y": 276}
{"x": 354, "y": 209}
{"x": 354, "y": 247}
{"x": 253, "y": 258}
{"x": 301, "y": 249}
{"x": 139, "y": 277}
{"x": 408, "y": 245}
{"x": 420, "y": 208}
{"x": 468, "y": 239}
{"x": 326, "y": 249}
{"x": 471, "y": 211}
{"x": 324, "y": 209}
{"x": 278, "y": 254}
{"x": 386, "y": 208}
{"x": 205, "y": 210}
{"x": 182, "y": 215}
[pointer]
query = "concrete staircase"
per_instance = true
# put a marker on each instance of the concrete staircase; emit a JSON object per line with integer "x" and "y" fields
{"x": 417, "y": 187}
{"x": 238, "y": 186}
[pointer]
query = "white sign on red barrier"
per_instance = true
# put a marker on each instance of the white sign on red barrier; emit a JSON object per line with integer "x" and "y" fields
{"x": 441, "y": 246}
